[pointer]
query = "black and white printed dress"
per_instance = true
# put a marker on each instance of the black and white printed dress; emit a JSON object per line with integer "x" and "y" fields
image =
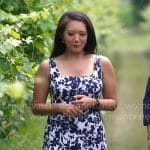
{"x": 83, "y": 132}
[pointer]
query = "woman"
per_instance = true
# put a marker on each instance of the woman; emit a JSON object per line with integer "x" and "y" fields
{"x": 146, "y": 111}
{"x": 76, "y": 79}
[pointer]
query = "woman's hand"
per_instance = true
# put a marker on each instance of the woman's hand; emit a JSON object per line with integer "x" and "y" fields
{"x": 69, "y": 110}
{"x": 83, "y": 102}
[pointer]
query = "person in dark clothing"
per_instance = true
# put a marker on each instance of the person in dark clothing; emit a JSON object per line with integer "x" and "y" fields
{"x": 146, "y": 111}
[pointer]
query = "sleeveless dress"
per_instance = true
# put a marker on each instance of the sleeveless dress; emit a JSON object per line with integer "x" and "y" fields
{"x": 83, "y": 132}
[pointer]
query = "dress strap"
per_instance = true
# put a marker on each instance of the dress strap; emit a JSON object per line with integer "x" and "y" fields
{"x": 53, "y": 68}
{"x": 51, "y": 63}
{"x": 98, "y": 66}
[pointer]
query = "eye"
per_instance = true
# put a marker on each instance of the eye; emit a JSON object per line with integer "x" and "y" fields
{"x": 82, "y": 34}
{"x": 70, "y": 34}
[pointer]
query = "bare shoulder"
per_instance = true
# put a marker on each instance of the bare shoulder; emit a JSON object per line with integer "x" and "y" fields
{"x": 44, "y": 68}
{"x": 106, "y": 64}
{"x": 44, "y": 64}
{"x": 105, "y": 61}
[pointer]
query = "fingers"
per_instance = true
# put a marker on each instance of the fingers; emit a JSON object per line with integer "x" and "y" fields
{"x": 83, "y": 102}
{"x": 76, "y": 111}
{"x": 72, "y": 111}
{"x": 80, "y": 105}
{"x": 77, "y": 102}
{"x": 78, "y": 97}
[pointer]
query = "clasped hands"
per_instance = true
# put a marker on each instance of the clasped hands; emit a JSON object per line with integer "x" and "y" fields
{"x": 77, "y": 106}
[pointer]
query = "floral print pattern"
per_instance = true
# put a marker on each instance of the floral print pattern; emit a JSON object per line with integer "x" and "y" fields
{"x": 83, "y": 132}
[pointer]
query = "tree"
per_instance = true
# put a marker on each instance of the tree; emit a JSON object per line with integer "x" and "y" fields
{"x": 26, "y": 34}
{"x": 105, "y": 18}
{"x": 138, "y": 6}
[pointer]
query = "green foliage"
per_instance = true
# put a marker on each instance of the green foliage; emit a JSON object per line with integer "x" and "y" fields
{"x": 26, "y": 34}
{"x": 145, "y": 26}
{"x": 105, "y": 18}
{"x": 126, "y": 15}
{"x": 138, "y": 6}
{"x": 26, "y": 37}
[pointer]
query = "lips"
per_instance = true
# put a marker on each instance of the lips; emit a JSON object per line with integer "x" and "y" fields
{"x": 76, "y": 46}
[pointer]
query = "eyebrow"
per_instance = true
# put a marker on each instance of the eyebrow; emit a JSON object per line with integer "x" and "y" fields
{"x": 70, "y": 30}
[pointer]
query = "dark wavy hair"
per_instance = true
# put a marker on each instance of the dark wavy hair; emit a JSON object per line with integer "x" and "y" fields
{"x": 59, "y": 46}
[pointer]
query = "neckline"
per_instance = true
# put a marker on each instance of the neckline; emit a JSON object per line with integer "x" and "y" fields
{"x": 71, "y": 76}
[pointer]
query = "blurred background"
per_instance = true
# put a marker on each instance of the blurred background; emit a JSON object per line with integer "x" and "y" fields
{"x": 27, "y": 30}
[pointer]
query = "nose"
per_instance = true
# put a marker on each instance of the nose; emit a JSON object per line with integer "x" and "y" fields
{"x": 76, "y": 39}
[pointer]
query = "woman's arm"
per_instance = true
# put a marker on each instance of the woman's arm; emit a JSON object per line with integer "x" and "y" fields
{"x": 41, "y": 89}
{"x": 40, "y": 93}
{"x": 109, "y": 101}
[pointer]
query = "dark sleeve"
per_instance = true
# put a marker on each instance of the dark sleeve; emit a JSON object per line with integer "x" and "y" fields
{"x": 146, "y": 105}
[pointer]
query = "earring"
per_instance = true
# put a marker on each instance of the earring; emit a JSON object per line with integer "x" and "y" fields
{"x": 62, "y": 41}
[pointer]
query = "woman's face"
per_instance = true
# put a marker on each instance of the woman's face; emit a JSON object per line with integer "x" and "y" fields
{"x": 75, "y": 36}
